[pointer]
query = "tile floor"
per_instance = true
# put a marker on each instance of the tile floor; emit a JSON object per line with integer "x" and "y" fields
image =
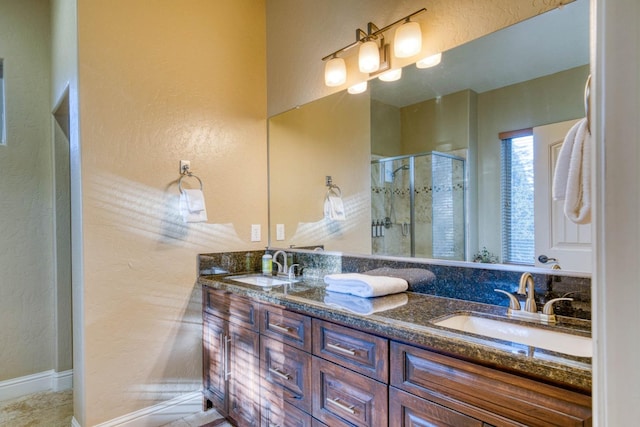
{"x": 55, "y": 409}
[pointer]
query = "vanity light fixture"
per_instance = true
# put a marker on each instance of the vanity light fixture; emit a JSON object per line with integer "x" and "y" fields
{"x": 373, "y": 55}
{"x": 357, "y": 88}
{"x": 391, "y": 75}
{"x": 429, "y": 61}
{"x": 408, "y": 40}
{"x": 335, "y": 72}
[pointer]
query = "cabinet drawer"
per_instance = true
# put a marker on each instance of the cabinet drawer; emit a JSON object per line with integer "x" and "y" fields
{"x": 236, "y": 309}
{"x": 343, "y": 397}
{"x": 291, "y": 328}
{"x": 287, "y": 372}
{"x": 275, "y": 412}
{"x": 362, "y": 352}
{"x": 487, "y": 394}
{"x": 408, "y": 410}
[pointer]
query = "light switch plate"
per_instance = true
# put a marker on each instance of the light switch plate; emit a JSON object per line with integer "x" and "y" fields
{"x": 279, "y": 231}
{"x": 255, "y": 233}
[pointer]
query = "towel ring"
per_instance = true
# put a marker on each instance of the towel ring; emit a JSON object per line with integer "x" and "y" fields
{"x": 587, "y": 103}
{"x": 191, "y": 175}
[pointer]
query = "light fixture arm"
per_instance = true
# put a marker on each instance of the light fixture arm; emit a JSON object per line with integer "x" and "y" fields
{"x": 372, "y": 33}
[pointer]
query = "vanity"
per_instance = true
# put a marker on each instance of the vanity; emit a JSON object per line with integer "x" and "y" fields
{"x": 286, "y": 355}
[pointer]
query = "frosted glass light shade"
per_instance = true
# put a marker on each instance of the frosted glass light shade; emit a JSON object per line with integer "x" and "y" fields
{"x": 391, "y": 75}
{"x": 335, "y": 72}
{"x": 408, "y": 40}
{"x": 429, "y": 61}
{"x": 357, "y": 88}
{"x": 369, "y": 57}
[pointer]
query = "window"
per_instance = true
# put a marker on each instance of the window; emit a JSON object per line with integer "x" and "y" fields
{"x": 3, "y": 133}
{"x": 517, "y": 198}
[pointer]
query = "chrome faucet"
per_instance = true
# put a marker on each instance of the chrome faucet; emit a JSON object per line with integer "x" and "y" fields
{"x": 527, "y": 287}
{"x": 530, "y": 310}
{"x": 282, "y": 268}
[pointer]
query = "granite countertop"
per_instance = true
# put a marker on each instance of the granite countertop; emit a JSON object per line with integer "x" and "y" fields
{"x": 410, "y": 319}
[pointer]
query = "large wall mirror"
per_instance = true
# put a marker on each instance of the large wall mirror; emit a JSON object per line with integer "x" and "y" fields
{"x": 419, "y": 162}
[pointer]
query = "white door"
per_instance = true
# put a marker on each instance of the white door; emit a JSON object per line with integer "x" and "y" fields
{"x": 556, "y": 236}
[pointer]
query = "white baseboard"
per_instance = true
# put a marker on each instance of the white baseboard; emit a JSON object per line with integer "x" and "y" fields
{"x": 35, "y": 383}
{"x": 74, "y": 422}
{"x": 162, "y": 413}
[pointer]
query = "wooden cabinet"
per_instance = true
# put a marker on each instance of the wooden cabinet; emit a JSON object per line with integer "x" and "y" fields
{"x": 267, "y": 366}
{"x": 492, "y": 396}
{"x": 286, "y": 371}
{"x": 231, "y": 357}
{"x": 407, "y": 410}
{"x": 362, "y": 352}
{"x": 342, "y": 397}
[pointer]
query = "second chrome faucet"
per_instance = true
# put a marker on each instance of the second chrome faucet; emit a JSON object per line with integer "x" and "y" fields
{"x": 530, "y": 310}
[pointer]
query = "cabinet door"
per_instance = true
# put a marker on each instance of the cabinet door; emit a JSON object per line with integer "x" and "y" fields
{"x": 359, "y": 351}
{"x": 406, "y": 410}
{"x": 345, "y": 398}
{"x": 287, "y": 372}
{"x": 275, "y": 412}
{"x": 214, "y": 361}
{"x": 244, "y": 376}
{"x": 487, "y": 394}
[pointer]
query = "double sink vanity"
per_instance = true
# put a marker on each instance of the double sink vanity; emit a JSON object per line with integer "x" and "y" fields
{"x": 281, "y": 352}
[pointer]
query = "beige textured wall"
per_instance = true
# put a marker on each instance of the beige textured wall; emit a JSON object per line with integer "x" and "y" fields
{"x": 162, "y": 81}
{"x": 440, "y": 124}
{"x": 26, "y": 274}
{"x": 303, "y": 151}
{"x": 301, "y": 33}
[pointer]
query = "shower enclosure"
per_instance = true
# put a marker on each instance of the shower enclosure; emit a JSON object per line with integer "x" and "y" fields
{"x": 417, "y": 206}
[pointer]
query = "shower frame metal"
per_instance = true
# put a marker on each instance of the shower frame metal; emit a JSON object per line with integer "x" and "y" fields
{"x": 412, "y": 195}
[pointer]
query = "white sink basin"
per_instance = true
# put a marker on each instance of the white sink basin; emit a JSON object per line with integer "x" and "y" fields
{"x": 261, "y": 280}
{"x": 557, "y": 341}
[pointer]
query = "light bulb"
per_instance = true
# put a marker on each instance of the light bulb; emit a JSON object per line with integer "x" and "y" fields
{"x": 335, "y": 72}
{"x": 429, "y": 61}
{"x": 391, "y": 75}
{"x": 357, "y": 88}
{"x": 369, "y": 57}
{"x": 408, "y": 40}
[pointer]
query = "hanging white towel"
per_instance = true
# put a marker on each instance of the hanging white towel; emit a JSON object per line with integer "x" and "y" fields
{"x": 192, "y": 206}
{"x": 365, "y": 306}
{"x": 364, "y": 285}
{"x": 334, "y": 208}
{"x": 572, "y": 176}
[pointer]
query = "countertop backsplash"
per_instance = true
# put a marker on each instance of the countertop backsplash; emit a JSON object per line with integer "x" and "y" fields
{"x": 460, "y": 282}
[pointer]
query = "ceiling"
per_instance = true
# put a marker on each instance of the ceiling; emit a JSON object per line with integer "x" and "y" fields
{"x": 545, "y": 44}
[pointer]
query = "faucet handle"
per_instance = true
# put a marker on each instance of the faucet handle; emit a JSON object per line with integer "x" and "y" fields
{"x": 514, "y": 304}
{"x": 548, "y": 307}
{"x": 292, "y": 271}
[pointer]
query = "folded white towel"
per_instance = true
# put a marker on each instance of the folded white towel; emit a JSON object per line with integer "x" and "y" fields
{"x": 365, "y": 306}
{"x": 334, "y": 208}
{"x": 364, "y": 285}
{"x": 192, "y": 206}
{"x": 572, "y": 176}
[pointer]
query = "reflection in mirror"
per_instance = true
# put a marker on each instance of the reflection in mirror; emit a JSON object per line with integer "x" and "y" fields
{"x": 448, "y": 117}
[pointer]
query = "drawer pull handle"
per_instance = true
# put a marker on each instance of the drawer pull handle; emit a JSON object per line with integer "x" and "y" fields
{"x": 279, "y": 327}
{"x": 342, "y": 406}
{"x": 280, "y": 374}
{"x": 340, "y": 349}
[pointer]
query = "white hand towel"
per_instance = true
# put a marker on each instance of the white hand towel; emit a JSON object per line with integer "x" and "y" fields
{"x": 334, "y": 208}
{"x": 192, "y": 206}
{"x": 195, "y": 200}
{"x": 364, "y": 285}
{"x": 365, "y": 306}
{"x": 572, "y": 176}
